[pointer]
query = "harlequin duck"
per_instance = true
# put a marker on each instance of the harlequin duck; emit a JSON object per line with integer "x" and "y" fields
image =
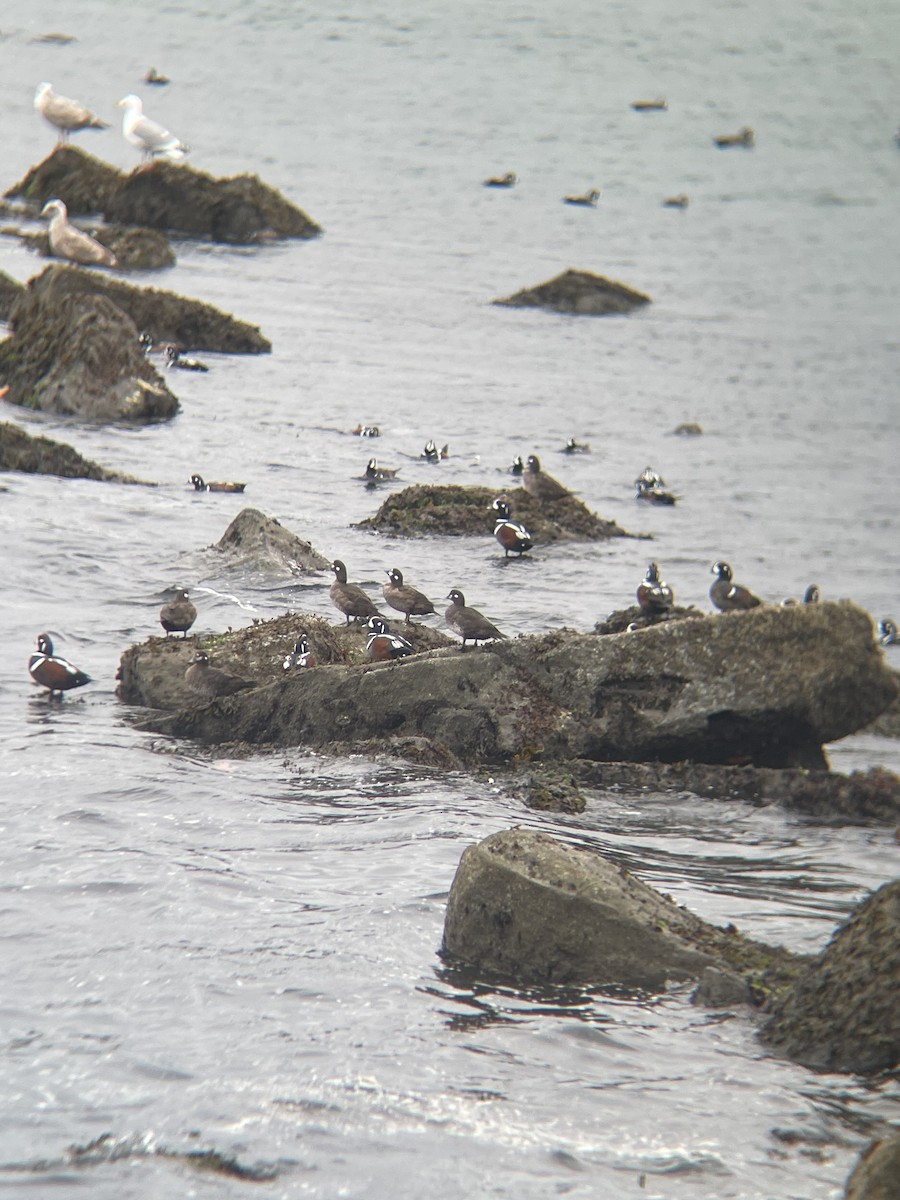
{"x": 301, "y": 655}
{"x": 510, "y": 534}
{"x": 175, "y": 358}
{"x": 518, "y": 465}
{"x": 376, "y": 474}
{"x": 200, "y": 485}
{"x": 382, "y": 645}
{"x": 728, "y": 596}
{"x": 432, "y": 454}
{"x": 56, "y": 674}
{"x": 404, "y": 598}
{"x": 653, "y": 595}
{"x": 654, "y": 494}
{"x": 539, "y": 485}
{"x": 178, "y": 615}
{"x": 887, "y": 633}
{"x": 153, "y": 77}
{"x": 210, "y": 681}
{"x": 469, "y": 623}
{"x": 811, "y": 595}
{"x": 367, "y": 431}
{"x": 573, "y": 447}
{"x": 349, "y": 598}
{"x": 510, "y": 179}
{"x": 588, "y": 200}
{"x": 649, "y": 478}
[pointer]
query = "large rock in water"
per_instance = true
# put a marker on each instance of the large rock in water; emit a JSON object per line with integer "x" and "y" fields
{"x": 544, "y": 912}
{"x": 77, "y": 353}
{"x": 843, "y": 1013}
{"x": 20, "y": 451}
{"x": 255, "y": 542}
{"x": 768, "y": 686}
{"x": 876, "y": 1175}
{"x": 177, "y": 199}
{"x": 580, "y": 293}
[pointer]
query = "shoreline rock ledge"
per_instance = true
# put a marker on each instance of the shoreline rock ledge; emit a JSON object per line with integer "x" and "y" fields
{"x": 767, "y": 687}
{"x": 580, "y": 293}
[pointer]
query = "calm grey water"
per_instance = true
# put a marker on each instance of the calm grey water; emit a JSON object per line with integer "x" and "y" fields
{"x": 241, "y": 956}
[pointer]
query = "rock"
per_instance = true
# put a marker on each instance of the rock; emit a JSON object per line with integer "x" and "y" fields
{"x": 427, "y": 509}
{"x": 767, "y": 686}
{"x": 135, "y": 249}
{"x": 152, "y": 673}
{"x": 825, "y": 797}
{"x": 10, "y": 291}
{"x": 620, "y": 620}
{"x": 182, "y": 200}
{"x": 842, "y": 1012}
{"x": 178, "y": 199}
{"x": 545, "y": 912}
{"x": 77, "y": 353}
{"x": 688, "y": 429}
{"x": 20, "y": 451}
{"x": 876, "y": 1175}
{"x": 255, "y": 542}
{"x": 166, "y": 316}
{"x": 888, "y": 724}
{"x": 580, "y": 293}
{"x": 82, "y": 182}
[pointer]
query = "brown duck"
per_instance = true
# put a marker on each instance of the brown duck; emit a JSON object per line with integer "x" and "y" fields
{"x": 539, "y": 484}
{"x": 727, "y": 595}
{"x": 349, "y": 598}
{"x": 469, "y": 623}
{"x": 404, "y": 598}
{"x": 211, "y": 682}
{"x": 178, "y": 615}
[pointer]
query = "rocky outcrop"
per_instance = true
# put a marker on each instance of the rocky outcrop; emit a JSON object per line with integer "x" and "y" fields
{"x": 580, "y": 293}
{"x": 448, "y": 509}
{"x": 240, "y": 210}
{"x": 255, "y": 542}
{"x": 20, "y": 451}
{"x": 769, "y": 686}
{"x": 527, "y": 906}
{"x": 876, "y": 1175}
{"x": 842, "y": 1012}
{"x": 135, "y": 249}
{"x": 151, "y": 674}
{"x": 10, "y": 291}
{"x": 73, "y": 351}
{"x": 176, "y": 199}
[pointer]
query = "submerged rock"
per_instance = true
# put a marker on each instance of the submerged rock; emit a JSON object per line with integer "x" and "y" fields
{"x": 177, "y": 199}
{"x": 451, "y": 510}
{"x": 20, "y": 451}
{"x": 768, "y": 686}
{"x": 545, "y": 912}
{"x": 74, "y": 351}
{"x": 580, "y": 293}
{"x": 842, "y": 1012}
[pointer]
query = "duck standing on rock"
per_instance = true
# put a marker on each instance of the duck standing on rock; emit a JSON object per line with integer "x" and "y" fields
{"x": 404, "y": 598}
{"x": 540, "y": 485}
{"x": 728, "y": 596}
{"x": 70, "y": 243}
{"x": 469, "y": 623}
{"x": 349, "y": 598}
{"x": 200, "y": 485}
{"x": 211, "y": 682}
{"x": 178, "y": 615}
{"x": 510, "y": 534}
{"x": 51, "y": 671}
{"x": 653, "y": 595}
{"x": 301, "y": 656}
{"x": 887, "y": 633}
{"x": 382, "y": 645}
{"x": 65, "y": 115}
{"x": 151, "y": 139}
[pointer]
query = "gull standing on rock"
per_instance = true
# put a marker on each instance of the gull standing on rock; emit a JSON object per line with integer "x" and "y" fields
{"x": 70, "y": 243}
{"x": 151, "y": 139}
{"x": 65, "y": 115}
